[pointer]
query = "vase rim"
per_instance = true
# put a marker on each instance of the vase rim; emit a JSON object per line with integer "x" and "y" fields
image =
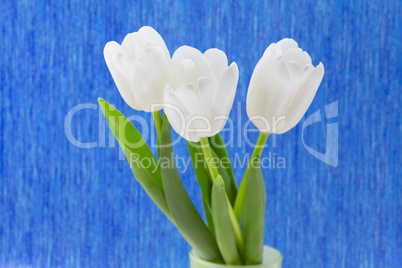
{"x": 267, "y": 249}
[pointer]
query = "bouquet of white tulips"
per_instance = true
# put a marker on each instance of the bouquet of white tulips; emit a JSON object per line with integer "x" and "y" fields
{"x": 196, "y": 91}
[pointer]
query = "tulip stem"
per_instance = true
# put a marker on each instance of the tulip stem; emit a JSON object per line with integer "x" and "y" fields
{"x": 209, "y": 158}
{"x": 158, "y": 122}
{"x": 236, "y": 228}
{"x": 259, "y": 147}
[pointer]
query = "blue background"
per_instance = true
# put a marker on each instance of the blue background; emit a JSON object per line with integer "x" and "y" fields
{"x": 63, "y": 206}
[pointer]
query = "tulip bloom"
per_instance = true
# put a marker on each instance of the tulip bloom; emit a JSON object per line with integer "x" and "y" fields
{"x": 140, "y": 67}
{"x": 282, "y": 87}
{"x": 198, "y": 103}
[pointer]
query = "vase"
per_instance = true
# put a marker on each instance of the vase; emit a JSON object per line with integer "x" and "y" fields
{"x": 272, "y": 258}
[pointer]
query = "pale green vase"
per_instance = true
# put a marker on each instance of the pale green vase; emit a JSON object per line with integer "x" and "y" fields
{"x": 272, "y": 259}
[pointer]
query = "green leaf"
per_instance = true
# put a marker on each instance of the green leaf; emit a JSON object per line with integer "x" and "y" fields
{"x": 153, "y": 190}
{"x": 204, "y": 180}
{"x": 254, "y": 214}
{"x": 208, "y": 216}
{"x": 225, "y": 235}
{"x": 219, "y": 148}
{"x": 136, "y": 150}
{"x": 259, "y": 147}
{"x": 201, "y": 170}
{"x": 230, "y": 190}
{"x": 186, "y": 216}
{"x": 130, "y": 138}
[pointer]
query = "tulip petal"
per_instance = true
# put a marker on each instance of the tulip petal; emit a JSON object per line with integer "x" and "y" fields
{"x": 132, "y": 44}
{"x": 287, "y": 43}
{"x": 269, "y": 91}
{"x": 183, "y": 112}
{"x": 175, "y": 110}
{"x": 154, "y": 37}
{"x": 303, "y": 98}
{"x": 185, "y": 72}
{"x": 307, "y": 58}
{"x": 188, "y": 97}
{"x": 295, "y": 70}
{"x": 304, "y": 75}
{"x": 226, "y": 91}
{"x": 199, "y": 98}
{"x": 113, "y": 60}
{"x": 151, "y": 74}
{"x": 295, "y": 54}
{"x": 207, "y": 89}
{"x": 298, "y": 73}
{"x": 218, "y": 62}
{"x": 136, "y": 43}
{"x": 204, "y": 68}
{"x": 185, "y": 52}
{"x": 272, "y": 49}
{"x": 280, "y": 97}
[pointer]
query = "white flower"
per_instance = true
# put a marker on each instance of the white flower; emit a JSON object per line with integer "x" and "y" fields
{"x": 140, "y": 67}
{"x": 282, "y": 87}
{"x": 198, "y": 103}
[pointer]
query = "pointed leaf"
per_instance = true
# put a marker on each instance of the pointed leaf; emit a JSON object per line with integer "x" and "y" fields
{"x": 204, "y": 180}
{"x": 225, "y": 235}
{"x": 219, "y": 148}
{"x": 186, "y": 216}
{"x": 208, "y": 216}
{"x": 136, "y": 149}
{"x": 130, "y": 138}
{"x": 254, "y": 214}
{"x": 201, "y": 170}
{"x": 229, "y": 186}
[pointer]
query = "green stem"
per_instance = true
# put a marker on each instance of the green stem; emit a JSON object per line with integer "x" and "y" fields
{"x": 158, "y": 122}
{"x": 214, "y": 173}
{"x": 237, "y": 229}
{"x": 209, "y": 158}
{"x": 259, "y": 147}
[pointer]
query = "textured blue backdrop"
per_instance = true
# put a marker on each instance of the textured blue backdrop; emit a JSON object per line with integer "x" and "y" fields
{"x": 71, "y": 207}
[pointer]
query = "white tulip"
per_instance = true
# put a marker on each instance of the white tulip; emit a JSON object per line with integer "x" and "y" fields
{"x": 198, "y": 103}
{"x": 282, "y": 87}
{"x": 140, "y": 67}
